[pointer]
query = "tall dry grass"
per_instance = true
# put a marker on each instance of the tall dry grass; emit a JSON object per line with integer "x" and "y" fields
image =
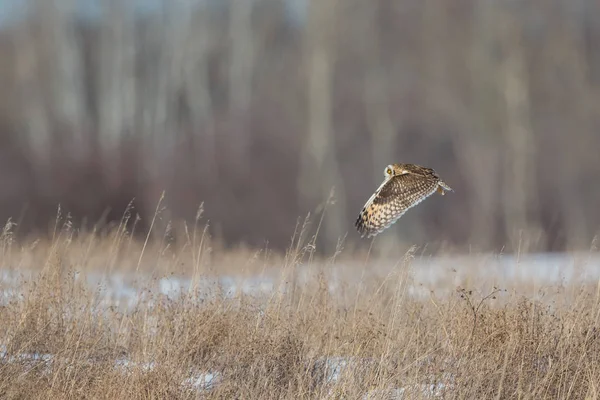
{"x": 335, "y": 327}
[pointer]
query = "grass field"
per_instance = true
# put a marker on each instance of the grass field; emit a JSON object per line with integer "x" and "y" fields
{"x": 266, "y": 110}
{"x": 109, "y": 316}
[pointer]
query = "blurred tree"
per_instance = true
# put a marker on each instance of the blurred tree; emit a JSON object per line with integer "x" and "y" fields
{"x": 319, "y": 170}
{"x": 519, "y": 185}
{"x": 260, "y": 116}
{"x": 117, "y": 97}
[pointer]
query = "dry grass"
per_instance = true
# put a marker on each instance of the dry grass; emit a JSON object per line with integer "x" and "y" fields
{"x": 63, "y": 340}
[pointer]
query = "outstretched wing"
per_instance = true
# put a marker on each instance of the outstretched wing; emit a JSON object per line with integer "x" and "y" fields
{"x": 391, "y": 200}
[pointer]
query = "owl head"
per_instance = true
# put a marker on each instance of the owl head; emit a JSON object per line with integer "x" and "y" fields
{"x": 394, "y": 170}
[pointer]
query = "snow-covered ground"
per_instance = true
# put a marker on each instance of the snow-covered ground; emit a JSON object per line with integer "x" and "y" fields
{"x": 440, "y": 274}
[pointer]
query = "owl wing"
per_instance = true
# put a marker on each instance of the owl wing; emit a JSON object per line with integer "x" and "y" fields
{"x": 391, "y": 200}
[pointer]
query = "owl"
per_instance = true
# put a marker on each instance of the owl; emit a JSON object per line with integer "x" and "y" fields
{"x": 404, "y": 186}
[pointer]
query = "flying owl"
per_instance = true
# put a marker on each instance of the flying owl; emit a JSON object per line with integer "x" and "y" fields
{"x": 404, "y": 186}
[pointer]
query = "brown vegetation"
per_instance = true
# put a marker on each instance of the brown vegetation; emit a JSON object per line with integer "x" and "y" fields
{"x": 330, "y": 328}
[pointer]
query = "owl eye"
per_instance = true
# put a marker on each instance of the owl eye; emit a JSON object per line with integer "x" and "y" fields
{"x": 388, "y": 171}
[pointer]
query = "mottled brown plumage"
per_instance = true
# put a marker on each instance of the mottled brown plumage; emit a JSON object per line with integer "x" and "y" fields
{"x": 405, "y": 186}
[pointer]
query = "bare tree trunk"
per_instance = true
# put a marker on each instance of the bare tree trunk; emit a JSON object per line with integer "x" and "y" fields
{"x": 319, "y": 171}
{"x": 477, "y": 145}
{"x": 572, "y": 118}
{"x": 434, "y": 31}
{"x": 167, "y": 127}
{"x": 116, "y": 85}
{"x": 197, "y": 93}
{"x": 241, "y": 70}
{"x": 165, "y": 131}
{"x": 33, "y": 110}
{"x": 519, "y": 189}
{"x": 68, "y": 106}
